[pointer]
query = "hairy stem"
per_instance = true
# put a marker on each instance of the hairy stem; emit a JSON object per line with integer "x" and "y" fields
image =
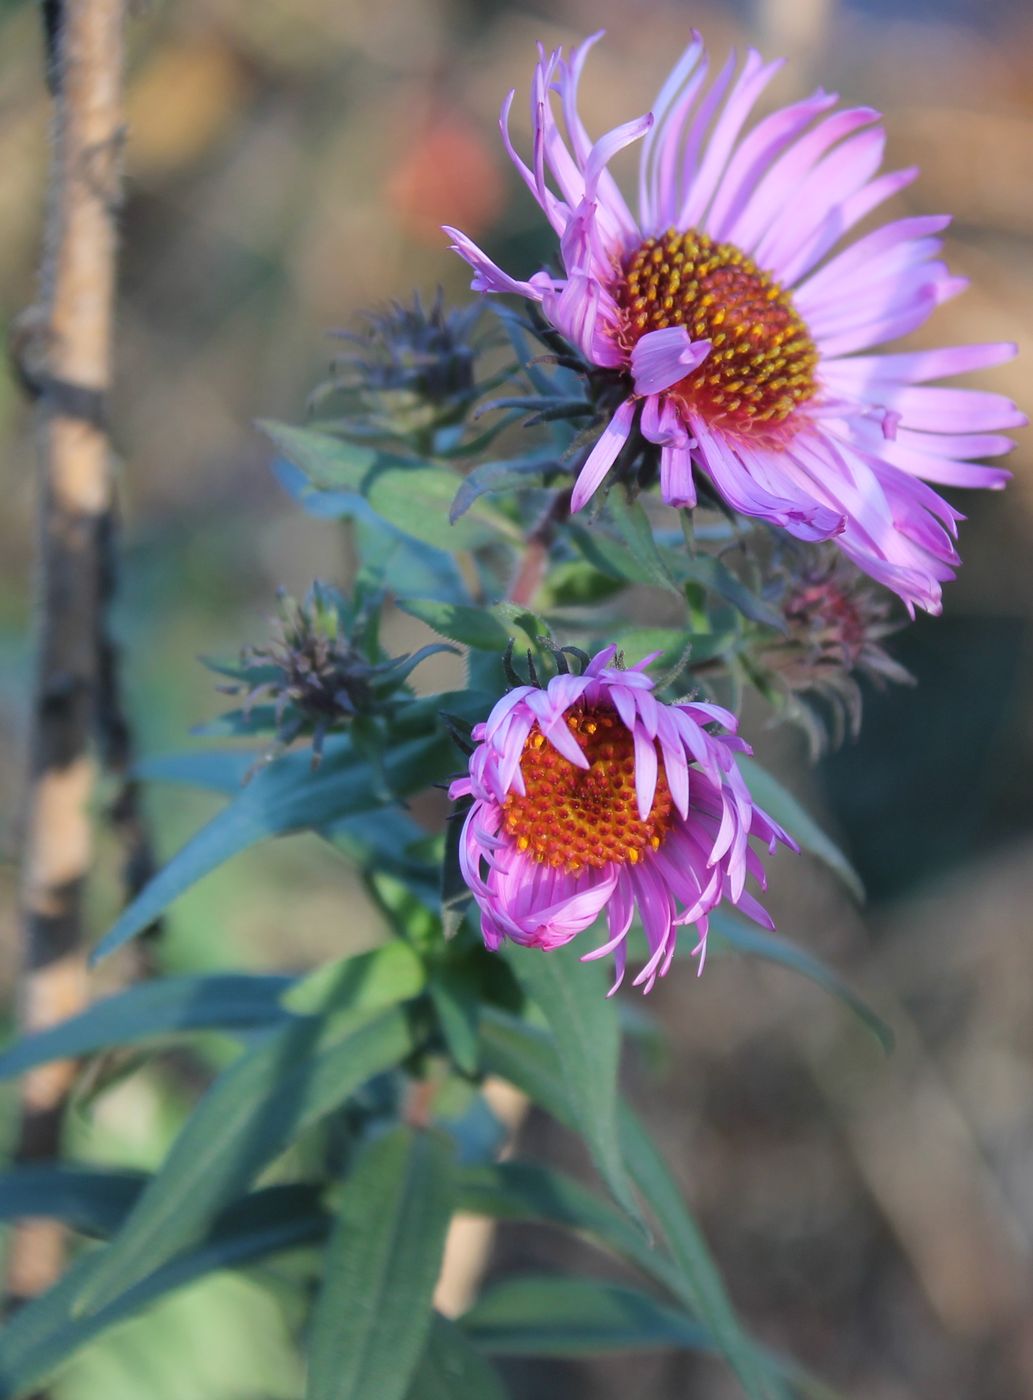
{"x": 64, "y": 356}
{"x": 536, "y": 557}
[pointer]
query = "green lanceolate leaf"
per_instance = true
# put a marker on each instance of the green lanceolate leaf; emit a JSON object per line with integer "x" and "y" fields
{"x": 249, "y": 1115}
{"x": 529, "y": 1059}
{"x": 211, "y": 770}
{"x": 418, "y": 501}
{"x": 411, "y": 496}
{"x": 283, "y": 797}
{"x": 701, "y": 1287}
{"x": 636, "y": 531}
{"x": 787, "y": 810}
{"x": 372, "y": 1318}
{"x": 472, "y": 627}
{"x": 84, "y": 1198}
{"x": 713, "y": 574}
{"x": 358, "y": 982}
{"x": 526, "y": 1192}
{"x": 331, "y": 463}
{"x": 676, "y": 645}
{"x": 451, "y": 1368}
{"x": 754, "y": 942}
{"x": 44, "y": 1333}
{"x": 526, "y": 628}
{"x": 167, "y": 1007}
{"x": 516, "y": 475}
{"x": 572, "y": 996}
{"x": 239, "y": 724}
{"x": 604, "y": 551}
{"x": 454, "y": 996}
{"x": 549, "y": 1316}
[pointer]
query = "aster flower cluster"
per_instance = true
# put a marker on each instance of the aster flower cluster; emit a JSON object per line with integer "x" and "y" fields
{"x": 747, "y": 348}
{"x": 721, "y": 329}
{"x": 719, "y": 337}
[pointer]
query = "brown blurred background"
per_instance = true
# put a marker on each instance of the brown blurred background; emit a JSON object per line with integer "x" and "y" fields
{"x": 288, "y": 164}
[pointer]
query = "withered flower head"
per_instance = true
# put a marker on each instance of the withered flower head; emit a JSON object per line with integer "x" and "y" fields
{"x": 836, "y": 621}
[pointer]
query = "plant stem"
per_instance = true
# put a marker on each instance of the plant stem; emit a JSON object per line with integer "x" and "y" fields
{"x": 532, "y": 566}
{"x": 65, "y": 359}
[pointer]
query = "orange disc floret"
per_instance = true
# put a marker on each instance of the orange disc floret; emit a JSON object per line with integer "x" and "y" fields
{"x": 762, "y": 359}
{"x": 572, "y": 817}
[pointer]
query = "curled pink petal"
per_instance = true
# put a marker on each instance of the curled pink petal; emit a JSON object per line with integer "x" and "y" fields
{"x": 663, "y": 358}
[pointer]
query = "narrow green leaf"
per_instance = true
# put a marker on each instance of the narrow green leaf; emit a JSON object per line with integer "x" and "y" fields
{"x": 542, "y": 1315}
{"x": 526, "y": 1192}
{"x": 359, "y": 982}
{"x": 517, "y": 618}
{"x": 166, "y": 1007}
{"x": 412, "y": 496}
{"x": 372, "y": 1317}
{"x": 712, "y": 573}
{"x": 636, "y": 531}
{"x": 757, "y": 943}
{"x": 672, "y": 643}
{"x": 385, "y": 839}
{"x": 527, "y": 353}
{"x": 701, "y": 1286}
{"x": 472, "y": 627}
{"x": 418, "y": 501}
{"x": 391, "y": 559}
{"x": 572, "y": 996}
{"x": 314, "y": 500}
{"x": 604, "y": 551}
{"x": 787, "y": 810}
{"x": 249, "y": 1115}
{"x": 239, "y": 724}
{"x": 467, "y": 704}
{"x": 211, "y": 770}
{"x": 87, "y": 1199}
{"x": 283, "y": 797}
{"x": 518, "y": 474}
{"x": 455, "y": 1001}
{"x": 528, "y": 1059}
{"x": 331, "y": 463}
{"x": 405, "y": 665}
{"x": 451, "y": 1368}
{"x": 42, "y": 1335}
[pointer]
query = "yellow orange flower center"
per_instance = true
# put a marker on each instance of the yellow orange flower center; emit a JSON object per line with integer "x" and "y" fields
{"x": 573, "y": 817}
{"x": 762, "y": 361}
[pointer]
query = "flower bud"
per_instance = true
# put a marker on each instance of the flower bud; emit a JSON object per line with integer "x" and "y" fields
{"x": 315, "y": 669}
{"x": 412, "y": 371}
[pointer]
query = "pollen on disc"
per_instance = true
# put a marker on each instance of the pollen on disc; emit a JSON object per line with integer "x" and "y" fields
{"x": 762, "y": 361}
{"x": 571, "y": 817}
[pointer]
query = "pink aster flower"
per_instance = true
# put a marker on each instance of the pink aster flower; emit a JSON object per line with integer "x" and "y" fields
{"x": 748, "y": 352}
{"x": 592, "y": 795}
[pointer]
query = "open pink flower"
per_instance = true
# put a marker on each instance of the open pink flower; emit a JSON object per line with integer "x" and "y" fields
{"x": 592, "y": 795}
{"x": 738, "y": 337}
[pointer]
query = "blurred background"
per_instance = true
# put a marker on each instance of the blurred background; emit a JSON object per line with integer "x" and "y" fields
{"x": 289, "y": 164}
